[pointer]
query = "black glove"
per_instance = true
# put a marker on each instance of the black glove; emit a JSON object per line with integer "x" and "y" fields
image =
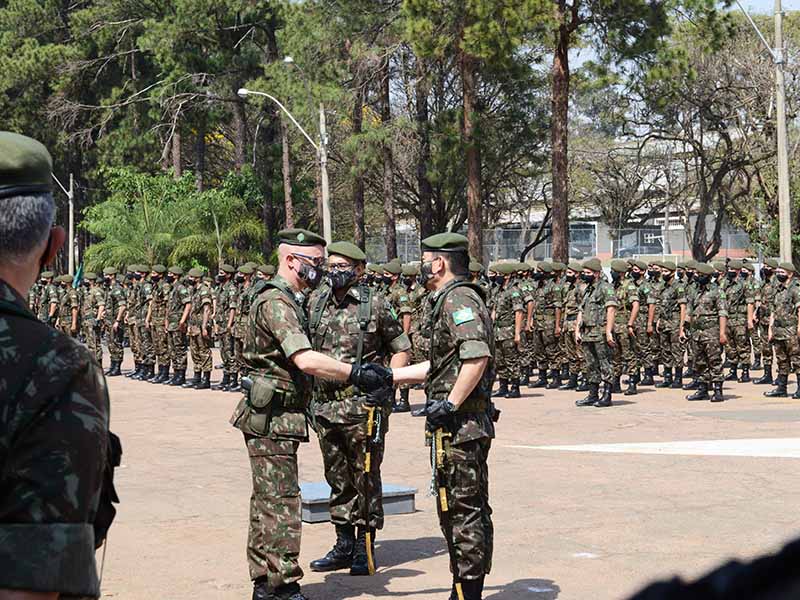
{"x": 381, "y": 397}
{"x": 439, "y": 412}
{"x": 370, "y": 377}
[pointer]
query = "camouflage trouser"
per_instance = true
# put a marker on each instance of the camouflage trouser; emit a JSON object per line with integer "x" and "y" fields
{"x": 238, "y": 349}
{"x": 764, "y": 347}
{"x": 787, "y": 355}
{"x": 644, "y": 343}
{"x": 468, "y": 521}
{"x": 160, "y": 345}
{"x": 529, "y": 349}
{"x": 114, "y": 341}
{"x": 201, "y": 353}
{"x": 273, "y": 541}
{"x": 671, "y": 346}
{"x": 135, "y": 340}
{"x": 570, "y": 350}
{"x": 343, "y": 448}
{"x": 626, "y": 359}
{"x": 507, "y": 360}
{"x": 546, "y": 343}
{"x": 691, "y": 349}
{"x": 177, "y": 349}
{"x": 148, "y": 352}
{"x": 92, "y": 336}
{"x": 738, "y": 348}
{"x": 654, "y": 349}
{"x": 708, "y": 355}
{"x": 226, "y": 352}
{"x": 599, "y": 361}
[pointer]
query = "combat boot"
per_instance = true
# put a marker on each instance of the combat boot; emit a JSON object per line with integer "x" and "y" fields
{"x": 689, "y": 372}
{"x": 779, "y": 391}
{"x": 591, "y": 398}
{"x": 526, "y": 377}
{"x": 145, "y": 374}
{"x": 745, "y": 376}
{"x": 205, "y": 381}
{"x": 360, "y": 565}
{"x": 179, "y": 378}
{"x": 571, "y": 384}
{"x": 667, "y": 381}
{"x": 290, "y": 591}
{"x": 728, "y": 364}
{"x": 717, "y": 392}
{"x": 193, "y": 382}
{"x": 233, "y": 386}
{"x": 583, "y": 385}
{"x": 648, "y": 377}
{"x": 766, "y": 378}
{"x": 756, "y": 364}
{"x": 472, "y": 589}
{"x": 632, "y": 381}
{"x": 556, "y": 381}
{"x": 542, "y": 381}
{"x": 402, "y": 405}
{"x": 164, "y": 376}
{"x": 677, "y": 382}
{"x": 733, "y": 375}
{"x": 701, "y": 393}
{"x": 502, "y": 391}
{"x": 223, "y": 383}
{"x": 616, "y": 386}
{"x": 692, "y": 385}
{"x": 157, "y": 376}
{"x": 564, "y": 372}
{"x": 796, "y": 394}
{"x": 261, "y": 590}
{"x": 341, "y": 555}
{"x": 514, "y": 392}
{"x": 137, "y": 368}
{"x": 114, "y": 370}
{"x": 605, "y": 399}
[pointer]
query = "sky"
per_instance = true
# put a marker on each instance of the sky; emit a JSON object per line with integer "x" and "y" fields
{"x": 767, "y": 6}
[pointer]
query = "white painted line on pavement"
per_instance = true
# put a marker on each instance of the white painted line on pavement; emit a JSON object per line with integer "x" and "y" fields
{"x": 756, "y": 448}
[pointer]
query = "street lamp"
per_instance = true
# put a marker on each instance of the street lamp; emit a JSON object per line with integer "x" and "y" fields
{"x": 322, "y": 153}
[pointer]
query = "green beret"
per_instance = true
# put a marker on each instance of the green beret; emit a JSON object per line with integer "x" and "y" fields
{"x": 655, "y": 263}
{"x": 251, "y": 264}
{"x": 393, "y": 268}
{"x": 574, "y": 265}
{"x": 681, "y": 264}
{"x": 690, "y": 264}
{"x": 749, "y": 266}
{"x": 545, "y": 267}
{"x": 620, "y": 266}
{"x": 130, "y": 269}
{"x": 770, "y": 263}
{"x": 705, "y": 268}
{"x": 669, "y": 266}
{"x": 593, "y": 264}
{"x": 110, "y": 271}
{"x": 64, "y": 278}
{"x": 558, "y": 267}
{"x": 246, "y": 269}
{"x": 787, "y": 266}
{"x": 25, "y": 166}
{"x": 348, "y": 250}
{"x": 475, "y": 267}
{"x": 506, "y": 268}
{"x": 524, "y": 267}
{"x": 635, "y": 262}
{"x": 719, "y": 265}
{"x": 195, "y": 272}
{"x": 410, "y": 270}
{"x": 176, "y": 270}
{"x": 398, "y": 261}
{"x": 47, "y": 275}
{"x": 300, "y": 237}
{"x": 226, "y": 268}
{"x": 266, "y": 269}
{"x": 734, "y": 264}
{"x": 445, "y": 242}
{"x": 90, "y": 276}
{"x": 142, "y": 269}
{"x": 373, "y": 268}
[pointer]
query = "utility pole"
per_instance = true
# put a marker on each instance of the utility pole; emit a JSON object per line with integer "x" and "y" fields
{"x": 71, "y": 204}
{"x": 323, "y": 166}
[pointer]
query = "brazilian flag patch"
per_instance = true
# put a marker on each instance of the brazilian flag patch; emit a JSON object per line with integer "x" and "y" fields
{"x": 462, "y": 316}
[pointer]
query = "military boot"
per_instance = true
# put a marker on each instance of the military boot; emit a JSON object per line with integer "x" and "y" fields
{"x": 261, "y": 590}
{"x": 677, "y": 382}
{"x": 147, "y": 373}
{"x": 616, "y": 385}
{"x": 701, "y": 393}
{"x": 205, "y": 381}
{"x": 290, "y": 591}
{"x": 756, "y": 364}
{"x": 796, "y": 394}
{"x": 179, "y": 378}
{"x": 571, "y": 384}
{"x": 402, "y": 405}
{"x": 194, "y": 381}
{"x": 745, "y": 376}
{"x": 766, "y": 378}
{"x": 564, "y": 372}
{"x": 235, "y": 385}
{"x": 360, "y": 565}
{"x": 591, "y": 398}
{"x": 556, "y": 380}
{"x": 583, "y": 385}
{"x": 542, "y": 381}
{"x": 155, "y": 378}
{"x": 341, "y": 555}
{"x": 526, "y": 377}
{"x": 692, "y": 385}
{"x": 605, "y": 399}
{"x": 779, "y": 391}
{"x": 513, "y": 391}
{"x": 667, "y": 381}
{"x": 728, "y": 364}
{"x": 472, "y": 589}
{"x": 502, "y": 391}
{"x": 165, "y": 377}
{"x": 648, "y": 377}
{"x": 114, "y": 370}
{"x": 733, "y": 375}
{"x": 717, "y": 392}
{"x": 137, "y": 368}
{"x": 632, "y": 381}
{"x": 223, "y": 384}
{"x": 689, "y": 371}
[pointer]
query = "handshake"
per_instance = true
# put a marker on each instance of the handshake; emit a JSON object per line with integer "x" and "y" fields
{"x": 374, "y": 380}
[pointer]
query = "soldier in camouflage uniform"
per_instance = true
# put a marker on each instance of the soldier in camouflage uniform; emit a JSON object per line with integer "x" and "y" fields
{"x": 240, "y": 304}
{"x": 741, "y": 310}
{"x": 155, "y": 320}
{"x": 570, "y": 350}
{"x": 561, "y": 365}
{"x": 784, "y": 330}
{"x": 92, "y": 307}
{"x": 625, "y": 352}
{"x": 524, "y": 283}
{"x": 223, "y": 322}
{"x": 35, "y": 294}
{"x": 594, "y": 329}
{"x": 179, "y": 306}
{"x": 53, "y": 421}
{"x": 69, "y": 307}
{"x": 134, "y": 305}
{"x": 199, "y": 330}
{"x": 691, "y": 296}
{"x": 508, "y": 318}
{"x": 48, "y": 301}
{"x": 272, "y": 414}
{"x": 115, "y": 307}
{"x": 765, "y": 300}
{"x": 546, "y": 325}
{"x": 352, "y": 324}
{"x": 709, "y": 317}
{"x": 670, "y": 327}
{"x": 144, "y": 335}
{"x": 459, "y": 417}
{"x": 406, "y": 313}
{"x": 652, "y": 349}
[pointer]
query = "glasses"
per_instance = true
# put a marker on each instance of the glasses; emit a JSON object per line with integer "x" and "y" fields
{"x": 317, "y": 261}
{"x": 339, "y": 266}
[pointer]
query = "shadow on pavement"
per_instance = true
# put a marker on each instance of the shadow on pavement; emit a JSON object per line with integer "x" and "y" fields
{"x": 391, "y": 553}
{"x": 535, "y": 589}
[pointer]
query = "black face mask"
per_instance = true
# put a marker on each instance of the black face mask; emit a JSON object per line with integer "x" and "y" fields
{"x": 766, "y": 274}
{"x": 408, "y": 281}
{"x": 731, "y": 275}
{"x": 496, "y": 279}
{"x": 669, "y": 276}
{"x": 220, "y": 278}
{"x": 169, "y": 278}
{"x": 341, "y": 279}
{"x": 587, "y": 278}
{"x": 312, "y": 276}
{"x": 653, "y": 275}
{"x": 387, "y": 281}
{"x": 108, "y": 280}
{"x": 635, "y": 275}
{"x": 425, "y": 273}
{"x": 703, "y": 279}
{"x": 571, "y": 278}
{"x": 691, "y": 276}
{"x": 129, "y": 276}
{"x": 240, "y": 279}
{"x": 782, "y": 277}
{"x": 744, "y": 274}
{"x": 616, "y": 276}
{"x": 137, "y": 276}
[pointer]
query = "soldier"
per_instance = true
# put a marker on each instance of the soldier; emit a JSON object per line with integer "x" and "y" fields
{"x": 352, "y": 324}
{"x": 175, "y": 324}
{"x": 265, "y": 272}
{"x": 709, "y": 315}
{"x": 546, "y": 325}
{"x": 670, "y": 327}
{"x": 560, "y": 362}
{"x": 115, "y": 307}
{"x": 528, "y": 358}
{"x": 54, "y": 405}
{"x": 458, "y": 378}
{"x": 199, "y": 330}
{"x": 155, "y": 319}
{"x": 48, "y": 305}
{"x": 222, "y": 323}
{"x": 784, "y": 330}
{"x": 134, "y": 305}
{"x": 570, "y": 348}
{"x": 92, "y": 308}
{"x": 594, "y": 330}
{"x": 764, "y": 302}
{"x": 508, "y": 317}
{"x": 741, "y": 310}
{"x": 145, "y": 335}
{"x": 654, "y": 285}
{"x": 625, "y": 318}
{"x": 240, "y": 306}
{"x": 69, "y": 307}
{"x": 692, "y": 290}
{"x": 272, "y": 413}
{"x": 35, "y": 294}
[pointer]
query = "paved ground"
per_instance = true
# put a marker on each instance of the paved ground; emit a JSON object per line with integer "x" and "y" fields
{"x": 581, "y": 522}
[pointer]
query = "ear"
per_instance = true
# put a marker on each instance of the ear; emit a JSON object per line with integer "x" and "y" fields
{"x": 54, "y": 244}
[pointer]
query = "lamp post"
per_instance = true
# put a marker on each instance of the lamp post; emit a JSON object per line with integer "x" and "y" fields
{"x": 321, "y": 153}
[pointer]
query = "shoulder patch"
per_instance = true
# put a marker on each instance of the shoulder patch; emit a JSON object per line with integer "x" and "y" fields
{"x": 514, "y": 294}
{"x": 465, "y": 315}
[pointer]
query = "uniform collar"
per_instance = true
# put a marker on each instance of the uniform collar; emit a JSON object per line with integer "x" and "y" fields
{"x": 9, "y": 294}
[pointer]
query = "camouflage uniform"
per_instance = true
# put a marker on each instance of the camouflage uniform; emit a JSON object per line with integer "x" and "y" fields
{"x": 180, "y": 296}
{"x": 225, "y": 293}
{"x": 134, "y": 302}
{"x": 739, "y": 295}
{"x": 766, "y": 298}
{"x": 571, "y": 351}
{"x": 54, "y": 435}
{"x": 69, "y": 301}
{"x": 115, "y": 299}
{"x": 597, "y": 354}
{"x": 653, "y": 358}
{"x": 35, "y": 297}
{"x": 199, "y": 344}
{"x": 272, "y": 419}
{"x": 147, "y": 356}
{"x": 419, "y": 322}
{"x": 243, "y": 302}
{"x": 673, "y": 296}
{"x": 784, "y": 328}
{"x": 625, "y": 355}
{"x": 548, "y": 300}
{"x": 162, "y": 291}
{"x": 708, "y": 307}
{"x": 509, "y": 302}
{"x": 93, "y": 300}
{"x": 49, "y": 296}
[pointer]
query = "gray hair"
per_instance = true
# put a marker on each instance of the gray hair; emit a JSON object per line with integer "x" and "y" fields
{"x": 25, "y": 222}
